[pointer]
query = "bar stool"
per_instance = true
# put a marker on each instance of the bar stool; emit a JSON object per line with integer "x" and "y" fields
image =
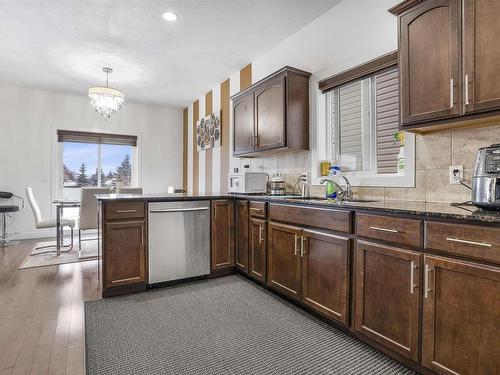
{"x": 4, "y": 209}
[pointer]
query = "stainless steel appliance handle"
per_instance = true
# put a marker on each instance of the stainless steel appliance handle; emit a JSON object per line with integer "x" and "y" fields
{"x": 179, "y": 210}
{"x": 125, "y": 211}
{"x": 412, "y": 276}
{"x": 452, "y": 93}
{"x": 467, "y": 89}
{"x": 484, "y": 244}
{"x": 384, "y": 229}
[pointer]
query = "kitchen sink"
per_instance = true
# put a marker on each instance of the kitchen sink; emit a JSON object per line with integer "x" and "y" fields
{"x": 334, "y": 201}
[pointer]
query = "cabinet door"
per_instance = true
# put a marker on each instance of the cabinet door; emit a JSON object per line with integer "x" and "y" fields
{"x": 241, "y": 237}
{"x": 284, "y": 271}
{"x": 325, "y": 277}
{"x": 258, "y": 249}
{"x": 270, "y": 114}
{"x": 431, "y": 84}
{"x": 243, "y": 125}
{"x": 125, "y": 255}
{"x": 222, "y": 234}
{"x": 387, "y": 296}
{"x": 481, "y": 55}
{"x": 461, "y": 324}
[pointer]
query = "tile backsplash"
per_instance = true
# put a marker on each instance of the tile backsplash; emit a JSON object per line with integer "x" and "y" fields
{"x": 435, "y": 153}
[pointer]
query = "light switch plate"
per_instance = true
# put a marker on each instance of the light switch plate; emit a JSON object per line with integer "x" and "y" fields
{"x": 454, "y": 180}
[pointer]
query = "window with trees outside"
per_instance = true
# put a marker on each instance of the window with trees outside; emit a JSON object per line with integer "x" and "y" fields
{"x": 86, "y": 164}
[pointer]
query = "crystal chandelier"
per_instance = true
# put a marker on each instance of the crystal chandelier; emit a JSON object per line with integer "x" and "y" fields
{"x": 105, "y": 100}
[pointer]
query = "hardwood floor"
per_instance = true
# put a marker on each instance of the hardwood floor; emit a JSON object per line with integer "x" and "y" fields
{"x": 41, "y": 314}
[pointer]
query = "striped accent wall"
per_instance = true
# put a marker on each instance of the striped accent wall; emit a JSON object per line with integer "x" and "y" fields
{"x": 185, "y": 148}
{"x": 207, "y": 171}
{"x": 196, "y": 117}
{"x": 208, "y": 153}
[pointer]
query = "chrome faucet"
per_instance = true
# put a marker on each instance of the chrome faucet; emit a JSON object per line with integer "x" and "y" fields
{"x": 345, "y": 193}
{"x": 304, "y": 192}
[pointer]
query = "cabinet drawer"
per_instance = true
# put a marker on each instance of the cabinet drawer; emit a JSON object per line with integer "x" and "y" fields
{"x": 258, "y": 209}
{"x": 391, "y": 229}
{"x": 121, "y": 210}
{"x": 311, "y": 216}
{"x": 472, "y": 241}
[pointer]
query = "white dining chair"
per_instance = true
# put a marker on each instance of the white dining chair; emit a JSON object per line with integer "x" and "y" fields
{"x": 88, "y": 211}
{"x": 48, "y": 222}
{"x": 129, "y": 190}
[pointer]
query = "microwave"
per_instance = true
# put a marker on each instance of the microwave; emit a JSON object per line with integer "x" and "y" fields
{"x": 248, "y": 183}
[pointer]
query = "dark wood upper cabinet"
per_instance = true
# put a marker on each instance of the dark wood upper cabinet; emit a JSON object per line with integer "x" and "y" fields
{"x": 270, "y": 114}
{"x": 461, "y": 317}
{"x": 125, "y": 253}
{"x": 257, "y": 262}
{"x": 243, "y": 116}
{"x": 430, "y": 61}
{"x": 284, "y": 271}
{"x": 448, "y": 62}
{"x": 387, "y": 296}
{"x": 481, "y": 55}
{"x": 222, "y": 234}
{"x": 241, "y": 236}
{"x": 279, "y": 120}
{"x": 325, "y": 275}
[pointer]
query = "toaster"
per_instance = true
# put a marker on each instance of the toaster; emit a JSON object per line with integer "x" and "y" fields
{"x": 486, "y": 178}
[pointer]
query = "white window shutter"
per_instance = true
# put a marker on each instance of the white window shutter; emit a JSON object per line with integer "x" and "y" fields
{"x": 351, "y": 128}
{"x": 387, "y": 120}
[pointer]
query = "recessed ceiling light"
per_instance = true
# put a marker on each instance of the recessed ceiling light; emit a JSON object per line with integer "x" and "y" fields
{"x": 170, "y": 16}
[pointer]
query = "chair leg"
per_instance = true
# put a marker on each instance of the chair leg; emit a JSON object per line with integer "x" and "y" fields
{"x": 54, "y": 246}
{"x": 79, "y": 239}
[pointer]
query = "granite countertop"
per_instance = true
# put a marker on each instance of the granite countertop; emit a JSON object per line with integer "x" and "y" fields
{"x": 435, "y": 210}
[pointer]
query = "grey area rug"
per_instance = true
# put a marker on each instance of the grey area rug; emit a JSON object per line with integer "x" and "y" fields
{"x": 220, "y": 326}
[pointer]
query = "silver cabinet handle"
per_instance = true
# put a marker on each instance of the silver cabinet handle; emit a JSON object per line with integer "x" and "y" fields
{"x": 452, "y": 93}
{"x": 179, "y": 210}
{"x": 484, "y": 244}
{"x": 261, "y": 228}
{"x": 302, "y": 246}
{"x": 142, "y": 236}
{"x": 412, "y": 276}
{"x": 426, "y": 281}
{"x": 296, "y": 247}
{"x": 125, "y": 211}
{"x": 255, "y": 209}
{"x": 467, "y": 89}
{"x": 384, "y": 229}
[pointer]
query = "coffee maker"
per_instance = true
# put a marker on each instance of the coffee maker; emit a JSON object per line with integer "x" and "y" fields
{"x": 486, "y": 178}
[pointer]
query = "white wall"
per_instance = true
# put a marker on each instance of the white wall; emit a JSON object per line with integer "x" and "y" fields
{"x": 29, "y": 119}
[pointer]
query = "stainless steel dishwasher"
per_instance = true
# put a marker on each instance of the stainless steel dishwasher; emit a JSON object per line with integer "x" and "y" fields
{"x": 179, "y": 240}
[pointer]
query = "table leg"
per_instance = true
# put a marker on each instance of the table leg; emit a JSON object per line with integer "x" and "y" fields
{"x": 58, "y": 228}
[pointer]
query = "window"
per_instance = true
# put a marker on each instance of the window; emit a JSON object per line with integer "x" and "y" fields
{"x": 96, "y": 159}
{"x": 358, "y": 118}
{"x": 362, "y": 119}
{"x": 86, "y": 164}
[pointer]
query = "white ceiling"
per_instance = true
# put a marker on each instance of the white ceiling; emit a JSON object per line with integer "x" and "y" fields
{"x": 62, "y": 45}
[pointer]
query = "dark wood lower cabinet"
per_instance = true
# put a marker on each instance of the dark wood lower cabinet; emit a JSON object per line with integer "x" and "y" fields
{"x": 461, "y": 317}
{"x": 125, "y": 255}
{"x": 325, "y": 274}
{"x": 284, "y": 271}
{"x": 222, "y": 234}
{"x": 387, "y": 297}
{"x": 257, "y": 249}
{"x": 241, "y": 236}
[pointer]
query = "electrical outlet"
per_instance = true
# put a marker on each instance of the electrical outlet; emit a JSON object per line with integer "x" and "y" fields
{"x": 456, "y": 174}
